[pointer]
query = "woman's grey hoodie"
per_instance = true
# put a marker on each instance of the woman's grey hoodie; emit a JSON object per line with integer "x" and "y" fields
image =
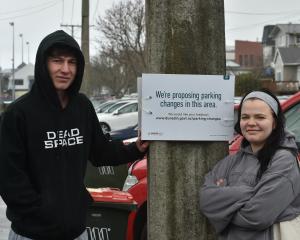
{"x": 245, "y": 208}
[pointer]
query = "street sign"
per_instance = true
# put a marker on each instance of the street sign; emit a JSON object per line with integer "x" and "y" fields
{"x": 187, "y": 107}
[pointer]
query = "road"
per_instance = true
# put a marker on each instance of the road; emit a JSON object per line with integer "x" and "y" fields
{"x": 4, "y": 223}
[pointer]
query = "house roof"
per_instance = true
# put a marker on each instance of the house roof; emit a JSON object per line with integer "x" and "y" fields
{"x": 286, "y": 28}
{"x": 25, "y": 71}
{"x": 290, "y": 56}
{"x": 232, "y": 64}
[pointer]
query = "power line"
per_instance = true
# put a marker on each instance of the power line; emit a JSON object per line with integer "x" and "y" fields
{"x": 262, "y": 13}
{"x": 28, "y": 8}
{"x": 63, "y": 11}
{"x": 29, "y": 13}
{"x": 72, "y": 11}
{"x": 96, "y": 8}
{"x": 72, "y": 27}
{"x": 286, "y": 17}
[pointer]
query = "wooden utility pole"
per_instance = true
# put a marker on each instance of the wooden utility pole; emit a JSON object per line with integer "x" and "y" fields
{"x": 182, "y": 37}
{"x": 85, "y": 42}
{"x": 72, "y": 27}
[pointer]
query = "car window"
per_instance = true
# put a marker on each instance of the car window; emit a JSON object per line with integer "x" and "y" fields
{"x": 103, "y": 107}
{"x": 293, "y": 120}
{"x": 115, "y": 106}
{"x": 129, "y": 108}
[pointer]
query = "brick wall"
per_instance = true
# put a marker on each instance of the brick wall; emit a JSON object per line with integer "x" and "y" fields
{"x": 249, "y": 54}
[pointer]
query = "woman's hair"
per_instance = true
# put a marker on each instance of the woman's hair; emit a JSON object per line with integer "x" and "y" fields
{"x": 273, "y": 142}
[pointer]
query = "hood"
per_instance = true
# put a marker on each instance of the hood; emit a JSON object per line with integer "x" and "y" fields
{"x": 43, "y": 81}
{"x": 289, "y": 141}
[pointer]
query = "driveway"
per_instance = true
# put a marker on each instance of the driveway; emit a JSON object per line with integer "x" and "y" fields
{"x": 4, "y": 223}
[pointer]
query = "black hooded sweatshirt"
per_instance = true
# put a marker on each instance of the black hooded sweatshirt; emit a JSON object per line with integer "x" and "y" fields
{"x": 44, "y": 150}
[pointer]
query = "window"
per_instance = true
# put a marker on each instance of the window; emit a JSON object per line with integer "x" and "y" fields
{"x": 251, "y": 60}
{"x": 19, "y": 81}
{"x": 259, "y": 61}
{"x": 241, "y": 60}
{"x": 298, "y": 39}
{"x": 115, "y": 107}
{"x": 282, "y": 41}
{"x": 246, "y": 60}
{"x": 278, "y": 75}
{"x": 129, "y": 108}
{"x": 30, "y": 83}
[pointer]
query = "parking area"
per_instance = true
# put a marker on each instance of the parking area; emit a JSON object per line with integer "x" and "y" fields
{"x": 4, "y": 223}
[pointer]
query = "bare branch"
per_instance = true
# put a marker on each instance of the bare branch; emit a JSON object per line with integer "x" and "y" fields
{"x": 123, "y": 28}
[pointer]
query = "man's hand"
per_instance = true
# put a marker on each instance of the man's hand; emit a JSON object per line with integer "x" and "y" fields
{"x": 142, "y": 145}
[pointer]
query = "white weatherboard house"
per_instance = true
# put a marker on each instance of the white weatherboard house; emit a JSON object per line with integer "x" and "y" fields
{"x": 24, "y": 78}
{"x": 287, "y": 64}
{"x": 279, "y": 36}
{"x": 286, "y": 35}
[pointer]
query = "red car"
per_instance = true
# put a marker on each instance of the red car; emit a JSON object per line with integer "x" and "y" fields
{"x": 136, "y": 182}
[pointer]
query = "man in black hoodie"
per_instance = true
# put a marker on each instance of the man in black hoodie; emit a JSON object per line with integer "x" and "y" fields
{"x": 46, "y": 138}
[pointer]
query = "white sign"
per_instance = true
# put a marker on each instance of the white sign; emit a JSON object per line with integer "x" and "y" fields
{"x": 187, "y": 107}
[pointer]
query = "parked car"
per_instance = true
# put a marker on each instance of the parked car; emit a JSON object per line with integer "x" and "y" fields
{"x": 119, "y": 116}
{"x": 105, "y": 105}
{"x": 136, "y": 181}
{"x": 113, "y": 106}
{"x": 291, "y": 109}
{"x": 97, "y": 102}
{"x": 126, "y": 133}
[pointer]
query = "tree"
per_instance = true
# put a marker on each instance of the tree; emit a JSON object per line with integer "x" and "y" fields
{"x": 109, "y": 74}
{"x": 183, "y": 37}
{"x": 122, "y": 50}
{"x": 246, "y": 82}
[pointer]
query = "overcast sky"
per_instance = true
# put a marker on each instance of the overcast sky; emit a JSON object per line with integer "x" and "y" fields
{"x": 244, "y": 20}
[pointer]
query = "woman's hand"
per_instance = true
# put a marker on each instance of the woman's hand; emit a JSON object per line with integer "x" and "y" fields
{"x": 220, "y": 182}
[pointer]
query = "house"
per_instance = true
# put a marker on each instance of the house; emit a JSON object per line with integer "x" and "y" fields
{"x": 268, "y": 45}
{"x": 287, "y": 67}
{"x": 243, "y": 58}
{"x": 287, "y": 64}
{"x": 4, "y": 79}
{"x": 281, "y": 44}
{"x": 230, "y": 53}
{"x": 286, "y": 35}
{"x": 279, "y": 35}
{"x": 232, "y": 68}
{"x": 249, "y": 55}
{"x": 24, "y": 77}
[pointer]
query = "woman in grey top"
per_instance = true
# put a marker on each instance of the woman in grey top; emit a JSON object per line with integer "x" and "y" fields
{"x": 246, "y": 193}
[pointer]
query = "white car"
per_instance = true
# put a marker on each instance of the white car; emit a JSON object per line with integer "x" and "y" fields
{"x": 121, "y": 117}
{"x": 104, "y": 106}
{"x": 112, "y": 107}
